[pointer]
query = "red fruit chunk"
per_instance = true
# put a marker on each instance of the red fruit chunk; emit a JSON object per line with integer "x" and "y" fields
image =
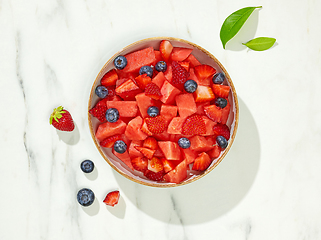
{"x": 213, "y": 112}
{"x": 128, "y": 90}
{"x": 156, "y": 124}
{"x": 164, "y": 136}
{"x": 203, "y": 94}
{"x": 158, "y": 56}
{"x": 179, "y": 75}
{"x": 108, "y": 129}
{"x": 137, "y": 59}
{"x": 168, "y": 165}
{"x": 120, "y": 81}
{"x": 170, "y": 149}
{"x": 159, "y": 79}
{"x": 140, "y": 163}
{"x": 158, "y": 153}
{"x": 143, "y": 103}
{"x": 155, "y": 165}
{"x": 148, "y": 153}
{"x": 194, "y": 125}
{"x": 165, "y": 48}
{"x": 180, "y": 54}
{"x": 204, "y": 73}
{"x": 209, "y": 126}
{"x": 133, "y": 130}
{"x": 215, "y": 152}
{"x": 99, "y": 110}
{"x": 109, "y": 141}
{"x": 112, "y": 198}
{"x": 154, "y": 176}
{"x": 201, "y": 144}
{"x": 200, "y": 107}
{"x": 169, "y": 93}
{"x": 189, "y": 155}
{"x": 193, "y": 76}
{"x": 124, "y": 157}
{"x": 145, "y": 129}
{"x": 125, "y": 108}
{"x": 169, "y": 110}
{"x": 168, "y": 73}
{"x": 153, "y": 91}
{"x": 225, "y": 113}
{"x": 193, "y": 61}
{"x": 110, "y": 78}
{"x": 221, "y": 90}
{"x": 222, "y": 130}
{"x": 142, "y": 81}
{"x": 202, "y": 162}
{"x": 178, "y": 174}
{"x": 132, "y": 151}
{"x": 150, "y": 143}
{"x": 184, "y": 65}
{"x": 175, "y": 126}
{"x": 186, "y": 104}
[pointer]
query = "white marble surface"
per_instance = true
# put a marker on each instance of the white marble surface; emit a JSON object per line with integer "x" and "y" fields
{"x": 268, "y": 186}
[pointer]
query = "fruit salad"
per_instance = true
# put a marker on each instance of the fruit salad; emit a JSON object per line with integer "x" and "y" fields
{"x": 163, "y": 113}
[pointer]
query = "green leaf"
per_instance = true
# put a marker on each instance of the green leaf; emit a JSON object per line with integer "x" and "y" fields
{"x": 234, "y": 22}
{"x": 260, "y": 43}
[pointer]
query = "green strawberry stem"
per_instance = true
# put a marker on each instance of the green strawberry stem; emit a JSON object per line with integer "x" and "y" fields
{"x": 56, "y": 114}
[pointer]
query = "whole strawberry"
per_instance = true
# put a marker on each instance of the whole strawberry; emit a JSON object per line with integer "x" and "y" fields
{"x": 62, "y": 120}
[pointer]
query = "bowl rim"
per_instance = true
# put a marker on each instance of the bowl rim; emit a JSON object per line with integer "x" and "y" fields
{"x": 236, "y": 114}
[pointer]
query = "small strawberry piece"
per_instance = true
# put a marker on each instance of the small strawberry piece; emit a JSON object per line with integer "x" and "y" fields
{"x": 153, "y": 91}
{"x": 184, "y": 65}
{"x": 128, "y": 90}
{"x": 112, "y": 198}
{"x": 61, "y": 119}
{"x": 168, "y": 73}
{"x": 193, "y": 61}
{"x": 178, "y": 174}
{"x": 169, "y": 92}
{"x": 159, "y": 79}
{"x": 109, "y": 141}
{"x": 155, "y": 165}
{"x": 179, "y": 75}
{"x": 150, "y": 143}
{"x": 170, "y": 149}
{"x": 154, "y": 176}
{"x": 215, "y": 152}
{"x": 110, "y": 78}
{"x": 158, "y": 57}
{"x": 99, "y": 110}
{"x": 156, "y": 124}
{"x": 194, "y": 125}
{"x": 180, "y": 54}
{"x": 203, "y": 94}
{"x": 222, "y": 130}
{"x": 192, "y": 75}
{"x": 140, "y": 163}
{"x": 202, "y": 162}
{"x": 165, "y": 48}
{"x": 204, "y": 73}
{"x": 168, "y": 164}
{"x": 221, "y": 90}
{"x": 142, "y": 81}
{"x": 213, "y": 112}
{"x": 148, "y": 153}
{"x": 225, "y": 113}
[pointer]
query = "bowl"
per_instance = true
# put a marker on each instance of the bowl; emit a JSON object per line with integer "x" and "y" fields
{"x": 204, "y": 57}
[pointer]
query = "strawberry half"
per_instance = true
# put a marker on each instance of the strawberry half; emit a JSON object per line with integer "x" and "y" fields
{"x": 142, "y": 81}
{"x": 222, "y": 130}
{"x": 140, "y": 163}
{"x": 213, "y": 112}
{"x": 146, "y": 151}
{"x": 150, "y": 143}
{"x": 221, "y": 90}
{"x": 153, "y": 91}
{"x": 202, "y": 162}
{"x": 203, "y": 73}
{"x": 179, "y": 75}
{"x": 156, "y": 125}
{"x": 165, "y": 48}
{"x": 154, "y": 176}
{"x": 155, "y": 164}
{"x": 99, "y": 110}
{"x": 194, "y": 125}
{"x": 112, "y": 198}
{"x": 109, "y": 141}
{"x": 203, "y": 94}
{"x": 62, "y": 120}
{"x": 110, "y": 78}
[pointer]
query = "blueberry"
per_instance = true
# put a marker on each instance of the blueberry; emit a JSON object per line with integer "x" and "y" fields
{"x": 85, "y": 197}
{"x": 120, "y": 146}
{"x": 161, "y": 66}
{"x": 120, "y": 62}
{"x": 87, "y": 166}
{"x": 153, "y": 111}
{"x": 112, "y": 115}
{"x": 221, "y": 141}
{"x": 218, "y": 78}
{"x": 190, "y": 86}
{"x": 101, "y": 91}
{"x": 146, "y": 69}
{"x": 221, "y": 102}
{"x": 184, "y": 142}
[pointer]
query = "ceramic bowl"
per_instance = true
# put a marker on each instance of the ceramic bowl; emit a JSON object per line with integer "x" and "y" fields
{"x": 203, "y": 57}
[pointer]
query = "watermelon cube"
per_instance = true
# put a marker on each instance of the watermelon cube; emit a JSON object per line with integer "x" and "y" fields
{"x": 189, "y": 155}
{"x": 169, "y": 92}
{"x": 124, "y": 157}
{"x": 175, "y": 126}
{"x": 132, "y": 151}
{"x": 170, "y": 149}
{"x": 159, "y": 79}
{"x": 125, "y": 108}
{"x": 144, "y": 102}
{"x": 128, "y": 90}
{"x": 180, "y": 54}
{"x": 186, "y": 104}
{"x": 178, "y": 174}
{"x": 201, "y": 144}
{"x": 108, "y": 129}
{"x": 133, "y": 130}
{"x": 209, "y": 124}
{"x": 137, "y": 59}
{"x": 215, "y": 152}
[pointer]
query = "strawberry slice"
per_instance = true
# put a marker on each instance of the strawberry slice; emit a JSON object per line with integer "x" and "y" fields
{"x": 109, "y": 141}
{"x": 150, "y": 143}
{"x": 112, "y": 198}
{"x": 184, "y": 65}
{"x": 140, "y": 163}
{"x": 221, "y": 90}
{"x": 213, "y": 112}
{"x": 155, "y": 165}
{"x": 110, "y": 78}
{"x": 156, "y": 125}
{"x": 215, "y": 152}
{"x": 99, "y": 110}
{"x": 203, "y": 94}
{"x": 222, "y": 130}
{"x": 146, "y": 151}
{"x": 154, "y": 176}
{"x": 179, "y": 75}
{"x": 153, "y": 91}
{"x": 202, "y": 162}
{"x": 168, "y": 164}
{"x": 142, "y": 81}
{"x": 180, "y": 54}
{"x": 194, "y": 125}
{"x": 165, "y": 48}
{"x": 204, "y": 73}
{"x": 193, "y": 61}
